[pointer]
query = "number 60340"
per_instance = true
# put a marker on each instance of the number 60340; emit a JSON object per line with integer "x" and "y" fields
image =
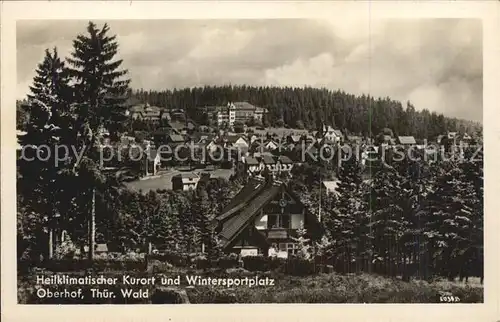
{"x": 449, "y": 299}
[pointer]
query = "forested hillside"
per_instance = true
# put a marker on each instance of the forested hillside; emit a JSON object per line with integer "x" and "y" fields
{"x": 310, "y": 107}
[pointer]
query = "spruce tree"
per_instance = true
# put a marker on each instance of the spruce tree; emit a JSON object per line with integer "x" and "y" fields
{"x": 39, "y": 172}
{"x": 343, "y": 222}
{"x": 99, "y": 95}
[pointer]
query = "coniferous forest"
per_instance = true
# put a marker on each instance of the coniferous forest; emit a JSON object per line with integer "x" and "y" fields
{"x": 310, "y": 108}
{"x": 411, "y": 219}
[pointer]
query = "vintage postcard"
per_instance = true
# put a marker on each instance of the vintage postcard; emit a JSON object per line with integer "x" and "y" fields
{"x": 250, "y": 153}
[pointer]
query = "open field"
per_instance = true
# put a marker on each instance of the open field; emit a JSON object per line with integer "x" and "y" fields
{"x": 323, "y": 288}
{"x": 164, "y": 181}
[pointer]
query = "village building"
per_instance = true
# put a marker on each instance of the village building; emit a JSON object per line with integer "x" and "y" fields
{"x": 235, "y": 112}
{"x": 263, "y": 218}
{"x": 406, "y": 140}
{"x": 332, "y": 135}
{"x": 185, "y": 181}
{"x": 331, "y": 187}
{"x": 284, "y": 164}
{"x": 146, "y": 112}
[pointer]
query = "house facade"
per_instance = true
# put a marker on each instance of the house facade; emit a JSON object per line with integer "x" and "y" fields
{"x": 185, "y": 181}
{"x": 263, "y": 218}
{"x": 236, "y": 112}
{"x": 332, "y": 135}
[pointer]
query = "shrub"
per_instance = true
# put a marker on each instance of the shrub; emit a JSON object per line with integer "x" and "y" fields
{"x": 300, "y": 267}
{"x": 176, "y": 259}
{"x": 228, "y": 261}
{"x": 261, "y": 263}
{"x": 99, "y": 264}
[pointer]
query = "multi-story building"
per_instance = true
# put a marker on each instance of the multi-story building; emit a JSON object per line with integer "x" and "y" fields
{"x": 234, "y": 112}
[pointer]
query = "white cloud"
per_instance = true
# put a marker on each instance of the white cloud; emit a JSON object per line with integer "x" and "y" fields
{"x": 437, "y": 64}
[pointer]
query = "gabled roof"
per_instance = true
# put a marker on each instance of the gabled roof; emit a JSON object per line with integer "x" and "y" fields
{"x": 331, "y": 186}
{"x": 233, "y": 226}
{"x": 176, "y": 138}
{"x": 243, "y": 106}
{"x": 188, "y": 175}
{"x": 243, "y": 196}
{"x": 338, "y": 133}
{"x": 268, "y": 159}
{"x": 285, "y": 160}
{"x": 406, "y": 140}
{"x": 251, "y": 161}
{"x": 295, "y": 138}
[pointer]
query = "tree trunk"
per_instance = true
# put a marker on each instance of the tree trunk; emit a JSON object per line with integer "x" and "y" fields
{"x": 92, "y": 228}
{"x": 51, "y": 242}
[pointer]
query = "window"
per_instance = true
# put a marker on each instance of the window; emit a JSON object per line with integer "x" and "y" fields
{"x": 292, "y": 248}
{"x": 278, "y": 221}
{"x": 272, "y": 221}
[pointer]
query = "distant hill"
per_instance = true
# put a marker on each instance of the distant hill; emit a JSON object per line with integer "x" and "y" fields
{"x": 311, "y": 107}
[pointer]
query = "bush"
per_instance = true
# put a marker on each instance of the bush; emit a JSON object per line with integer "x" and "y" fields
{"x": 99, "y": 264}
{"x": 176, "y": 259}
{"x": 299, "y": 267}
{"x": 228, "y": 261}
{"x": 261, "y": 263}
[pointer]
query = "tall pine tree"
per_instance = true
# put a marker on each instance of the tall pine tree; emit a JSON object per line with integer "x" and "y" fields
{"x": 39, "y": 172}
{"x": 100, "y": 94}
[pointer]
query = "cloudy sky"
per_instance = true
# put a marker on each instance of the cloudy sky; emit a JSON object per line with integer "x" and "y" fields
{"x": 435, "y": 64}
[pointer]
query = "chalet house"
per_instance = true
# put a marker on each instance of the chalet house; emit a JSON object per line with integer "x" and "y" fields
{"x": 293, "y": 139}
{"x": 332, "y": 135}
{"x": 249, "y": 165}
{"x": 161, "y": 136}
{"x": 185, "y": 181}
{"x": 263, "y": 218}
{"x": 271, "y": 145}
{"x": 331, "y": 187}
{"x": 452, "y": 135}
{"x": 236, "y": 141}
{"x": 147, "y": 112}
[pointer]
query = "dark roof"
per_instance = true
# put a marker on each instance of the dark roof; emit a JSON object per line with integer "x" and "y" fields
{"x": 186, "y": 176}
{"x": 244, "y": 106}
{"x": 285, "y": 159}
{"x": 176, "y": 138}
{"x": 406, "y": 140}
{"x": 338, "y": 133}
{"x": 251, "y": 161}
{"x": 233, "y": 226}
{"x": 232, "y": 138}
{"x": 268, "y": 159}
{"x": 242, "y": 197}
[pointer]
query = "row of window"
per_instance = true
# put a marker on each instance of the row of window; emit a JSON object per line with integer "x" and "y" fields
{"x": 290, "y": 248}
{"x": 278, "y": 221}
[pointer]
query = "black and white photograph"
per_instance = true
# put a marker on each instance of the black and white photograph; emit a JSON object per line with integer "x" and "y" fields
{"x": 211, "y": 161}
